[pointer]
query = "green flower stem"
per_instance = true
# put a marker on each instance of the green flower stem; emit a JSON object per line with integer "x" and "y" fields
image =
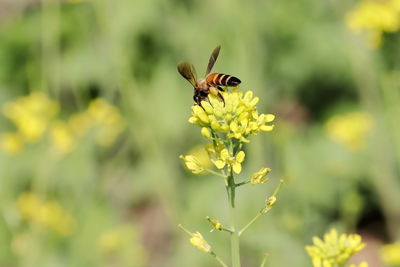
{"x": 218, "y": 259}
{"x": 216, "y": 173}
{"x": 227, "y": 230}
{"x": 263, "y": 211}
{"x": 185, "y": 230}
{"x": 234, "y": 235}
{"x": 264, "y": 260}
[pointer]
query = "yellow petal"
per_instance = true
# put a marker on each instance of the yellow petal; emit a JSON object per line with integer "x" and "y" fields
{"x": 240, "y": 156}
{"x": 224, "y": 154}
{"x": 269, "y": 117}
{"x": 237, "y": 167}
{"x": 267, "y": 128}
{"x": 219, "y": 164}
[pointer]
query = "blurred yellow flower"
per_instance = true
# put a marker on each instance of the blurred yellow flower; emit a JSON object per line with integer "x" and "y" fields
{"x": 350, "y": 129}
{"x": 48, "y": 214}
{"x": 34, "y": 116}
{"x": 11, "y": 143}
{"x": 200, "y": 243}
{"x": 390, "y": 254}
{"x": 22, "y": 243}
{"x": 104, "y": 119}
{"x": 201, "y": 154}
{"x": 259, "y": 177}
{"x": 362, "y": 264}
{"x": 112, "y": 240}
{"x": 192, "y": 163}
{"x": 237, "y": 117}
{"x": 334, "y": 249}
{"x": 31, "y": 114}
{"x": 61, "y": 136}
{"x": 375, "y": 17}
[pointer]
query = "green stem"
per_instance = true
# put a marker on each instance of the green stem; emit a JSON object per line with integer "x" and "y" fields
{"x": 215, "y": 173}
{"x": 234, "y": 235}
{"x": 250, "y": 223}
{"x": 218, "y": 259}
{"x": 264, "y": 260}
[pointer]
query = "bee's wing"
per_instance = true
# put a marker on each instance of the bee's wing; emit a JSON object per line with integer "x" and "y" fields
{"x": 213, "y": 58}
{"x": 188, "y": 72}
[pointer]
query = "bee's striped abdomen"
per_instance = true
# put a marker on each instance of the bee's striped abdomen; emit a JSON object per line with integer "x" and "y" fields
{"x": 215, "y": 79}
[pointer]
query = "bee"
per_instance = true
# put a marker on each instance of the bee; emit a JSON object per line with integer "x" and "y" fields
{"x": 211, "y": 83}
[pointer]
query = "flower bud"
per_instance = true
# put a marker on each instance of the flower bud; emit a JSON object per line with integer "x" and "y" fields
{"x": 205, "y": 133}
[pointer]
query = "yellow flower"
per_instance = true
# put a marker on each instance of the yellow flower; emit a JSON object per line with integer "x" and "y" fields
{"x": 200, "y": 243}
{"x": 192, "y": 163}
{"x": 362, "y": 264}
{"x": 390, "y": 254}
{"x": 113, "y": 239}
{"x": 233, "y": 162}
{"x": 62, "y": 139}
{"x": 237, "y": 117}
{"x": 217, "y": 225}
{"x": 31, "y": 115}
{"x": 259, "y": 177}
{"x": 375, "y": 17}
{"x": 11, "y": 143}
{"x": 334, "y": 249}
{"x": 45, "y": 213}
{"x": 107, "y": 119}
{"x": 351, "y": 129}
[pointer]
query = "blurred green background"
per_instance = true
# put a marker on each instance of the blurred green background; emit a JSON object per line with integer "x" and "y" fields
{"x": 94, "y": 118}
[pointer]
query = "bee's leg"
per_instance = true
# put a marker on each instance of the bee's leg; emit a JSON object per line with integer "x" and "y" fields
{"x": 220, "y": 88}
{"x": 197, "y": 99}
{"x": 222, "y": 98}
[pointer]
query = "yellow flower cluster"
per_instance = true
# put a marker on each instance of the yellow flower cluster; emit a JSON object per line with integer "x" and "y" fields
{"x": 35, "y": 116}
{"x": 237, "y": 117}
{"x": 375, "y": 17}
{"x": 31, "y": 115}
{"x": 48, "y": 214}
{"x": 334, "y": 249}
{"x": 390, "y": 254}
{"x": 228, "y": 124}
{"x": 350, "y": 129}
